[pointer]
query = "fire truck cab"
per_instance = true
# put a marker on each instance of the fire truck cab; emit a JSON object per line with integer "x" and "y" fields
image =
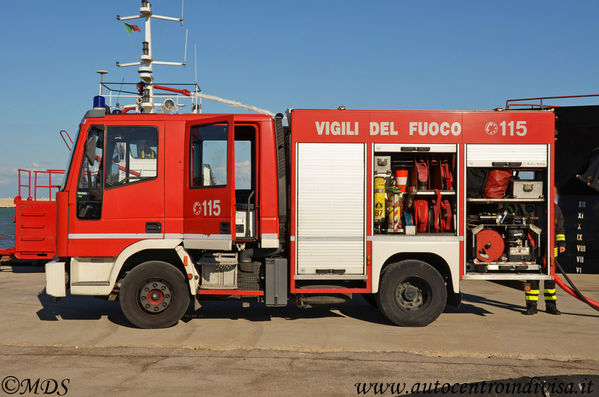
{"x": 160, "y": 209}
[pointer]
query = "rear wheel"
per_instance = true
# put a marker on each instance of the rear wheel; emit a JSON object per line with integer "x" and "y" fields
{"x": 154, "y": 295}
{"x": 411, "y": 293}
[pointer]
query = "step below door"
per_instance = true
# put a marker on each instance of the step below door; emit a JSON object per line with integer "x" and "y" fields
{"x": 330, "y": 218}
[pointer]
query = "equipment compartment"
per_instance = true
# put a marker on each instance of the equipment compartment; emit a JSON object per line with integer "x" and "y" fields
{"x": 506, "y": 220}
{"x": 415, "y": 189}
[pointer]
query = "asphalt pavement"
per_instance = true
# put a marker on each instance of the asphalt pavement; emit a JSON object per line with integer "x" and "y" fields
{"x": 225, "y": 349}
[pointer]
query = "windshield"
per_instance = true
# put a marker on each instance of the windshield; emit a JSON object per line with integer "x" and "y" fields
{"x": 65, "y": 178}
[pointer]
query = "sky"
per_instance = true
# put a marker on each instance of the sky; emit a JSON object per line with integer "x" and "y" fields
{"x": 287, "y": 54}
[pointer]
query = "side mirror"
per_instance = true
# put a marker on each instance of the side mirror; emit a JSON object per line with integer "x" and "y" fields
{"x": 90, "y": 150}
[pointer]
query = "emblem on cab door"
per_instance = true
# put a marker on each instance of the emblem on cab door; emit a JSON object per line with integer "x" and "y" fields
{"x": 491, "y": 128}
{"x": 197, "y": 208}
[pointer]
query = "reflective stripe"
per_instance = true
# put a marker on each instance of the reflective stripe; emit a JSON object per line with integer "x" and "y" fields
{"x": 533, "y": 292}
{"x": 550, "y": 297}
{"x": 560, "y": 237}
{"x": 208, "y": 236}
{"x": 555, "y": 252}
{"x": 199, "y": 236}
{"x": 532, "y": 298}
{"x": 111, "y": 236}
{"x": 549, "y": 291}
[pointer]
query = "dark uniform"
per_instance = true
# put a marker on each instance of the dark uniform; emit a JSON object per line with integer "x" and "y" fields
{"x": 531, "y": 288}
{"x": 147, "y": 153}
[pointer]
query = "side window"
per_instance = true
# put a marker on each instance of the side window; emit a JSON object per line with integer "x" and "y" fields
{"x": 133, "y": 155}
{"x": 209, "y": 155}
{"x": 89, "y": 186}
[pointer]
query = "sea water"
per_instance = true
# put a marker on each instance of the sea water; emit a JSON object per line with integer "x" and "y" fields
{"x": 7, "y": 227}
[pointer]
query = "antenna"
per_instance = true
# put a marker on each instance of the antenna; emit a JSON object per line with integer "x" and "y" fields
{"x": 182, "y": 2}
{"x": 101, "y": 73}
{"x": 185, "y": 56}
{"x": 119, "y": 95}
{"x": 198, "y": 101}
{"x": 146, "y": 60}
{"x": 195, "y": 61}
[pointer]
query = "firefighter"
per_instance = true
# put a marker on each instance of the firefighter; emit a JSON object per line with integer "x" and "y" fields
{"x": 147, "y": 152}
{"x": 531, "y": 288}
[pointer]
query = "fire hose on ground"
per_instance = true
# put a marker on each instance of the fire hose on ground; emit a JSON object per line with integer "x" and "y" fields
{"x": 575, "y": 292}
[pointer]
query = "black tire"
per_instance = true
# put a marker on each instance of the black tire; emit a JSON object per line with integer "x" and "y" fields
{"x": 411, "y": 293}
{"x": 154, "y": 294}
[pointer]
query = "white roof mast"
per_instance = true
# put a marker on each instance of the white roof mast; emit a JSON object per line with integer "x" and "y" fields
{"x": 146, "y": 102}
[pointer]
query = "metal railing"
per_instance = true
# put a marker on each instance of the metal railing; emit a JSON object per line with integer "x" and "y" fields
{"x": 114, "y": 95}
{"x": 510, "y": 102}
{"x": 28, "y": 186}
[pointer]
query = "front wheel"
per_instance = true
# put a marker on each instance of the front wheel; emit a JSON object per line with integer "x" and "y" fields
{"x": 411, "y": 293}
{"x": 154, "y": 294}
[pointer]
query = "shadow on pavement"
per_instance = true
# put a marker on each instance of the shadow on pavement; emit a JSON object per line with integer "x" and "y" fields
{"x": 14, "y": 268}
{"x": 468, "y": 300}
{"x": 357, "y": 308}
{"x": 80, "y": 308}
{"x": 579, "y": 314}
{"x": 90, "y": 308}
{"x": 467, "y": 307}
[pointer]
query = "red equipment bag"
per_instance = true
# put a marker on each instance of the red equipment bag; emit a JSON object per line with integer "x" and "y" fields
{"x": 440, "y": 214}
{"x": 446, "y": 214}
{"x": 422, "y": 170}
{"x": 441, "y": 173}
{"x": 421, "y": 215}
{"x": 497, "y": 183}
{"x": 447, "y": 175}
{"x": 436, "y": 221}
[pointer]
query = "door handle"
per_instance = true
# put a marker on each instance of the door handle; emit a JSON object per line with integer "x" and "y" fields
{"x": 506, "y": 164}
{"x": 225, "y": 228}
{"x": 153, "y": 227}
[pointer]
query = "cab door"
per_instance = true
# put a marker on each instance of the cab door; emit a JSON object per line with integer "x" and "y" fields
{"x": 209, "y": 197}
{"x": 119, "y": 193}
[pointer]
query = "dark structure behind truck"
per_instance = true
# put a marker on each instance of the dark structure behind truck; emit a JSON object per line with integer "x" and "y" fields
{"x": 577, "y": 161}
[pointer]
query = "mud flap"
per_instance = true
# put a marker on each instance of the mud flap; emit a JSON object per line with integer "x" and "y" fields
{"x": 55, "y": 279}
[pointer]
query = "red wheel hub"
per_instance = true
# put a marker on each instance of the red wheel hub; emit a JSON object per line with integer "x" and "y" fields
{"x": 155, "y": 297}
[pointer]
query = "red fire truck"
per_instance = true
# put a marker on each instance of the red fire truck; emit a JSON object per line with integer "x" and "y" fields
{"x": 158, "y": 210}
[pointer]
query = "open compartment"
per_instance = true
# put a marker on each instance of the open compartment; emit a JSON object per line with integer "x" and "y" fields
{"x": 415, "y": 189}
{"x": 507, "y": 195}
